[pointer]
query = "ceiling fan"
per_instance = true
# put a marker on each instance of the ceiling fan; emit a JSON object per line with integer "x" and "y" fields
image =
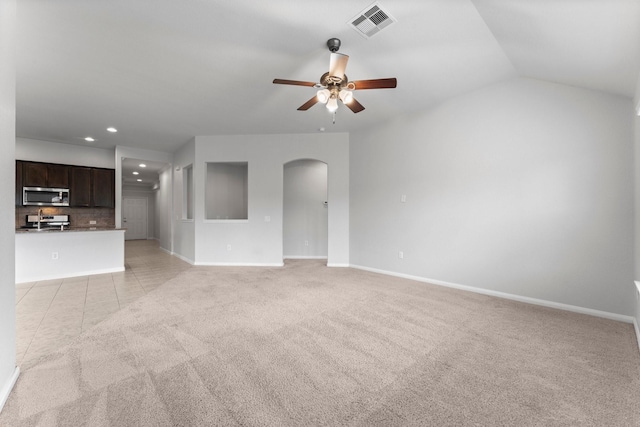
{"x": 334, "y": 84}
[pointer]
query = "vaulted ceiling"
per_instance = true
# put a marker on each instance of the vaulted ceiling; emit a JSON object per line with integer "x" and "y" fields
{"x": 163, "y": 71}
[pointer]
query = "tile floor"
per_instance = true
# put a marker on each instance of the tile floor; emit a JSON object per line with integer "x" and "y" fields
{"x": 50, "y": 314}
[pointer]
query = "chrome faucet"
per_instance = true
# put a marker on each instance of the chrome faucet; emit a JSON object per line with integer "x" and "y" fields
{"x": 39, "y": 217}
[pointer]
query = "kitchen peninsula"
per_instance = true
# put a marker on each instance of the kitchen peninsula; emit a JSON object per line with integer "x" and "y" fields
{"x": 54, "y": 254}
{"x": 65, "y": 222}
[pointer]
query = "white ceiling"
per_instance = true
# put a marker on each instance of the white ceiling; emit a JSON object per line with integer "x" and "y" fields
{"x": 163, "y": 71}
{"x": 148, "y": 175}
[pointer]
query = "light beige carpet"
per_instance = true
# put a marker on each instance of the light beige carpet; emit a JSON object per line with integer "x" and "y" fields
{"x": 308, "y": 345}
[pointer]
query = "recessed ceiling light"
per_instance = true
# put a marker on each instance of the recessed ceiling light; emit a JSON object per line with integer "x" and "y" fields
{"x": 142, "y": 165}
{"x": 112, "y": 130}
{"x": 139, "y": 180}
{"x": 89, "y": 139}
{"x": 136, "y": 173}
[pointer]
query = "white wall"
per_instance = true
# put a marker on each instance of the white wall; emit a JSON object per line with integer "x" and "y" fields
{"x": 66, "y": 154}
{"x": 523, "y": 188}
{"x": 150, "y": 195}
{"x": 305, "y": 213}
{"x": 257, "y": 241}
{"x": 184, "y": 229}
{"x": 8, "y": 369}
{"x": 79, "y": 253}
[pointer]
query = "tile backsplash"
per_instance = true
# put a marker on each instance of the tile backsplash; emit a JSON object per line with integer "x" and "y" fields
{"x": 78, "y": 217}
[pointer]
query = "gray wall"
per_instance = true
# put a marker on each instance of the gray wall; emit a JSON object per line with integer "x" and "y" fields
{"x": 8, "y": 369}
{"x": 66, "y": 154}
{"x": 523, "y": 188}
{"x": 258, "y": 240}
{"x": 636, "y": 103}
{"x": 163, "y": 230}
{"x": 305, "y": 214}
{"x": 226, "y": 191}
{"x": 183, "y": 238}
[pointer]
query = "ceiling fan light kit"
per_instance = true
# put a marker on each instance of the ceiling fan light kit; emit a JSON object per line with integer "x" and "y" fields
{"x": 346, "y": 96}
{"x": 332, "y": 104}
{"x": 335, "y": 85}
{"x": 323, "y": 95}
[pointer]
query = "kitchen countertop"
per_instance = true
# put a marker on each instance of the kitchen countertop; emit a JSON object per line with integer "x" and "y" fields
{"x": 66, "y": 230}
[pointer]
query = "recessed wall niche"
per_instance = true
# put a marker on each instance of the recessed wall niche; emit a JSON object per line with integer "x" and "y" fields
{"x": 226, "y": 195}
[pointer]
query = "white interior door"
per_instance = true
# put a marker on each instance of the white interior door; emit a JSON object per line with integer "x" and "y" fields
{"x": 305, "y": 214}
{"x": 134, "y": 218}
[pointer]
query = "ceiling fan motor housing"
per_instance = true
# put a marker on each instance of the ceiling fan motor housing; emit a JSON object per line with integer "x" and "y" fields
{"x": 333, "y": 44}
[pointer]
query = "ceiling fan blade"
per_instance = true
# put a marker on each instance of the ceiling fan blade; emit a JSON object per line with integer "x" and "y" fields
{"x": 293, "y": 82}
{"x": 375, "y": 84}
{"x": 310, "y": 103}
{"x": 355, "y": 106}
{"x": 338, "y": 65}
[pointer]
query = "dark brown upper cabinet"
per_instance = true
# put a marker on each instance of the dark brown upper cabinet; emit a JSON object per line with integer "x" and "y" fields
{"x": 88, "y": 187}
{"x": 80, "y": 191}
{"x": 103, "y": 188}
{"x": 19, "y": 183}
{"x": 45, "y": 175}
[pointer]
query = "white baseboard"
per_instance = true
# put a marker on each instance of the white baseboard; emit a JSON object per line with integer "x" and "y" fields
{"x": 183, "y": 258}
{"x": 303, "y": 257}
{"x": 635, "y": 319}
{"x": 6, "y": 389}
{"x": 331, "y": 264}
{"x": 528, "y": 300}
{"x": 238, "y": 264}
{"x": 54, "y": 276}
{"x": 222, "y": 264}
{"x": 637, "y": 329}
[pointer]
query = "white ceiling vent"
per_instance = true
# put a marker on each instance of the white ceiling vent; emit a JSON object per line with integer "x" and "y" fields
{"x": 371, "y": 20}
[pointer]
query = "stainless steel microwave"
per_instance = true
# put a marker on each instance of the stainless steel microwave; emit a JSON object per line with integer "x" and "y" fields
{"x": 40, "y": 196}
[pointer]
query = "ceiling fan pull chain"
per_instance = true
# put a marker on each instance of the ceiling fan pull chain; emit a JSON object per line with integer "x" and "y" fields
{"x": 334, "y": 117}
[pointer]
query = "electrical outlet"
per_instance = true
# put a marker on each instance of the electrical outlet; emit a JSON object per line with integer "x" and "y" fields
{"x": 403, "y": 198}
{"x": 229, "y": 247}
{"x": 92, "y": 222}
{"x": 306, "y": 243}
{"x": 401, "y": 255}
{"x": 267, "y": 219}
{"x": 54, "y": 255}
